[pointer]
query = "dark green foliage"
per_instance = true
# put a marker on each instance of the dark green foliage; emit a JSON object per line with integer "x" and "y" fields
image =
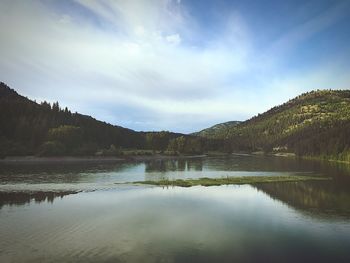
{"x": 187, "y": 145}
{"x": 66, "y": 140}
{"x": 87, "y": 148}
{"x": 314, "y": 123}
{"x": 52, "y": 148}
{"x": 217, "y": 129}
{"x": 28, "y": 128}
{"x": 111, "y": 151}
{"x": 159, "y": 140}
{"x": 25, "y": 126}
{"x": 68, "y": 135}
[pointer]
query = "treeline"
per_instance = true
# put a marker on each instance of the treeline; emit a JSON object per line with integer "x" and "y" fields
{"x": 329, "y": 142}
{"x": 316, "y": 123}
{"x": 173, "y": 144}
{"x": 29, "y": 128}
{"x": 313, "y": 124}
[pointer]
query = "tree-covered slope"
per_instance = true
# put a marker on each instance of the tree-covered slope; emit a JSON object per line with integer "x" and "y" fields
{"x": 217, "y": 129}
{"x": 314, "y": 123}
{"x": 25, "y": 125}
{"x": 27, "y": 128}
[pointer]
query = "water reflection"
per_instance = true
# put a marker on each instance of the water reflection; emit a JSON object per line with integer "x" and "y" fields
{"x": 174, "y": 165}
{"x": 318, "y": 198}
{"x": 22, "y": 198}
{"x": 213, "y": 224}
{"x": 182, "y": 168}
{"x": 60, "y": 173}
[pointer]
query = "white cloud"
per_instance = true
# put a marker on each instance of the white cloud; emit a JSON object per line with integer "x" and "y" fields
{"x": 173, "y": 39}
{"x": 133, "y": 64}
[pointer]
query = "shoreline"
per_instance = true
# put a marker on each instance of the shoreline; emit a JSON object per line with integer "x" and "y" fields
{"x": 143, "y": 158}
{"x": 91, "y": 159}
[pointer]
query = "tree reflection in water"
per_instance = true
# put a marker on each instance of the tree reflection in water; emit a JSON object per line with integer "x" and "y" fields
{"x": 22, "y": 198}
{"x": 331, "y": 198}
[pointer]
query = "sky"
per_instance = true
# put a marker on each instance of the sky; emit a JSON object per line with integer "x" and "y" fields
{"x": 177, "y": 65}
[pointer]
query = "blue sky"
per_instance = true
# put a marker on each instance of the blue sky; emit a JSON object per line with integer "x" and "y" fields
{"x": 176, "y": 65}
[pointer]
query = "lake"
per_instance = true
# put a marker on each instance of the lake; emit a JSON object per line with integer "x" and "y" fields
{"x": 84, "y": 212}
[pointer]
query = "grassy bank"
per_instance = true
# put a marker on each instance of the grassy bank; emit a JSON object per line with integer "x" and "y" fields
{"x": 232, "y": 180}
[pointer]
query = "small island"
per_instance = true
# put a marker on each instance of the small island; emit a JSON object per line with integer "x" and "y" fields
{"x": 205, "y": 181}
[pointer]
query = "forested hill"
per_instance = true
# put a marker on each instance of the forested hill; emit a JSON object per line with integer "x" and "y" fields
{"x": 217, "y": 129}
{"x": 314, "y": 123}
{"x": 29, "y": 128}
{"x": 26, "y": 125}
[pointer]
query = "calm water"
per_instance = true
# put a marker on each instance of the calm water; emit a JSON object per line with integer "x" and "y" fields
{"x": 42, "y": 219}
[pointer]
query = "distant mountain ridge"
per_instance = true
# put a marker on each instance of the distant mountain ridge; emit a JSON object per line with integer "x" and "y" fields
{"x": 218, "y": 128}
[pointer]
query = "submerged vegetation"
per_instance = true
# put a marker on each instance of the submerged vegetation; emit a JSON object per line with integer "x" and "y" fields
{"x": 232, "y": 180}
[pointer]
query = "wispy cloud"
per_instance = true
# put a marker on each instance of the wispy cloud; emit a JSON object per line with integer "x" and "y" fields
{"x": 143, "y": 64}
{"x": 304, "y": 30}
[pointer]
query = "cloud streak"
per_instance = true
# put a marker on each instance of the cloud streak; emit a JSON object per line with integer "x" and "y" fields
{"x": 134, "y": 63}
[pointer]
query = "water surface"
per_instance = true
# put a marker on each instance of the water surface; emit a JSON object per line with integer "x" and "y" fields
{"x": 42, "y": 219}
